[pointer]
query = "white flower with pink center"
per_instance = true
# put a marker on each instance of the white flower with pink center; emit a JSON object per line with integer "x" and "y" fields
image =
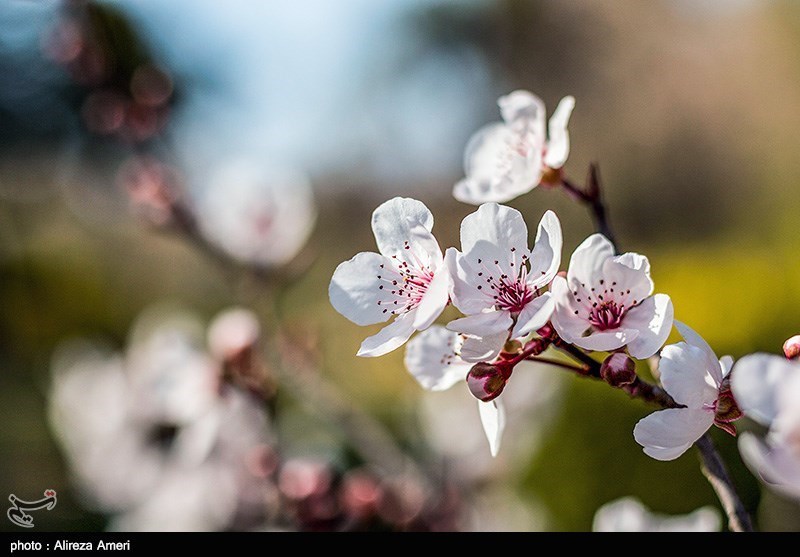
{"x": 506, "y": 159}
{"x": 498, "y": 283}
{"x": 607, "y": 301}
{"x": 694, "y": 377}
{"x": 767, "y": 388}
{"x": 436, "y": 360}
{"x": 407, "y": 280}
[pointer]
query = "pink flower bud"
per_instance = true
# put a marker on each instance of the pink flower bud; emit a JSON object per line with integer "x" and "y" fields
{"x": 487, "y": 381}
{"x": 618, "y": 370}
{"x": 792, "y": 347}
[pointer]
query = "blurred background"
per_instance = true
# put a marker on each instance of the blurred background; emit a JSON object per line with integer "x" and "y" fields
{"x": 164, "y": 162}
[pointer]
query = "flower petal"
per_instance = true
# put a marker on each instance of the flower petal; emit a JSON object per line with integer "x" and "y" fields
{"x": 667, "y": 434}
{"x": 775, "y": 465}
{"x": 495, "y": 169}
{"x": 630, "y": 271}
{"x": 523, "y": 106}
{"x": 726, "y": 364}
{"x": 465, "y": 294}
{"x": 545, "y": 257}
{"x": 755, "y": 381}
{"x": 482, "y": 324}
{"x": 354, "y": 289}
{"x": 431, "y": 357}
{"x": 685, "y": 376}
{"x": 434, "y": 300}
{"x": 568, "y": 325}
{"x": 558, "y": 142}
{"x": 586, "y": 263}
{"x": 402, "y": 228}
{"x": 653, "y": 319}
{"x": 691, "y": 337}
{"x": 493, "y": 419}
{"x": 493, "y": 240}
{"x": 389, "y": 338}
{"x": 483, "y": 349}
{"x": 603, "y": 341}
{"x": 534, "y": 315}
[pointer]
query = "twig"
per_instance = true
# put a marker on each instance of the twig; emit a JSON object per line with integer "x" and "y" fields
{"x": 717, "y": 475}
{"x": 592, "y": 196}
{"x": 557, "y": 363}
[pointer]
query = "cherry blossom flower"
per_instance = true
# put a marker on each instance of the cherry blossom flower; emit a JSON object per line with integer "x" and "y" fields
{"x": 630, "y": 515}
{"x": 607, "y": 301}
{"x": 151, "y": 437}
{"x": 694, "y": 377}
{"x": 434, "y": 359}
{"x": 767, "y": 387}
{"x": 497, "y": 281}
{"x": 506, "y": 159}
{"x": 407, "y": 280}
{"x": 257, "y": 214}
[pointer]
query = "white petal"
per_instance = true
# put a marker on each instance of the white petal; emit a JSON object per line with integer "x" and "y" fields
{"x": 545, "y": 257}
{"x": 354, "y": 289}
{"x": 558, "y": 142}
{"x": 434, "y": 301}
{"x": 776, "y": 465}
{"x": 629, "y": 515}
{"x": 603, "y": 341}
{"x": 586, "y": 263}
{"x": 756, "y": 379}
{"x": 630, "y": 271}
{"x": 465, "y": 294}
{"x": 685, "y": 376}
{"x": 522, "y": 105}
{"x": 691, "y": 337}
{"x": 400, "y": 220}
{"x": 431, "y": 357}
{"x": 493, "y": 419}
{"x": 534, "y": 315}
{"x": 495, "y": 169}
{"x": 568, "y": 325}
{"x": 389, "y": 338}
{"x": 494, "y": 233}
{"x": 482, "y": 324}
{"x": 653, "y": 319}
{"x": 667, "y": 434}
{"x": 483, "y": 349}
{"x": 726, "y": 364}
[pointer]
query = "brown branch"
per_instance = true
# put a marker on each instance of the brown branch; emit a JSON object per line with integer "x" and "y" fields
{"x": 714, "y": 470}
{"x": 593, "y": 198}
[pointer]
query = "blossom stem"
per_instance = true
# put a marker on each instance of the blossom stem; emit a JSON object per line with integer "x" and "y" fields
{"x": 717, "y": 475}
{"x": 553, "y": 362}
{"x": 592, "y": 197}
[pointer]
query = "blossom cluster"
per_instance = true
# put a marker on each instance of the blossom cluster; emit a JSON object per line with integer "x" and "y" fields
{"x": 516, "y": 302}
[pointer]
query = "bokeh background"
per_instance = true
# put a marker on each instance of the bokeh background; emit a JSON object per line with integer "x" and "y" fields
{"x": 690, "y": 107}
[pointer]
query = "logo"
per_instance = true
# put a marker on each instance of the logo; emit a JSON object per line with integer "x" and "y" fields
{"x": 16, "y": 512}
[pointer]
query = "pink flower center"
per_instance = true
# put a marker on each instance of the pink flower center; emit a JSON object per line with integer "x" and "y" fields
{"x": 510, "y": 293}
{"x": 604, "y": 305}
{"x": 607, "y": 315}
{"x": 403, "y": 285}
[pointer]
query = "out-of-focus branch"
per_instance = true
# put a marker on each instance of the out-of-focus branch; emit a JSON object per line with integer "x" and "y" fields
{"x": 717, "y": 475}
{"x": 591, "y": 196}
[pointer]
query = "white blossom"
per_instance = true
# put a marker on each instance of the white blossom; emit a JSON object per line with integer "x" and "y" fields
{"x": 257, "y": 213}
{"x": 506, "y": 159}
{"x": 767, "y": 388}
{"x": 607, "y": 301}
{"x": 407, "y": 280}
{"x": 693, "y": 376}
{"x": 630, "y": 515}
{"x": 498, "y": 283}
{"x": 433, "y": 358}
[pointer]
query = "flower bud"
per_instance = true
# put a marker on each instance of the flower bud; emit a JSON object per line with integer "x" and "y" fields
{"x": 486, "y": 381}
{"x": 618, "y": 370}
{"x": 792, "y": 347}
